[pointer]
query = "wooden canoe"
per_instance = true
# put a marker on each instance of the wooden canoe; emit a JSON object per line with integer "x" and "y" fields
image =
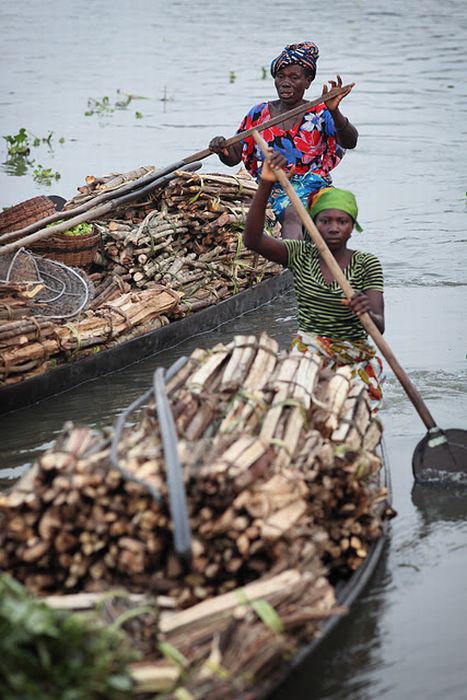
{"x": 74, "y": 373}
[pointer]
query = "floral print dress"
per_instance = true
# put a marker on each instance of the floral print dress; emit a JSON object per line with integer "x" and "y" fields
{"x": 310, "y": 146}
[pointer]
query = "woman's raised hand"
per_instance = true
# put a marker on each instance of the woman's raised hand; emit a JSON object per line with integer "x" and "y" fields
{"x": 275, "y": 161}
{"x": 333, "y": 104}
{"x": 218, "y": 145}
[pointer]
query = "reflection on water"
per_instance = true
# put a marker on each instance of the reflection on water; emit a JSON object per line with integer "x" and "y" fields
{"x": 333, "y": 669}
{"x": 439, "y": 505}
{"x": 403, "y": 639}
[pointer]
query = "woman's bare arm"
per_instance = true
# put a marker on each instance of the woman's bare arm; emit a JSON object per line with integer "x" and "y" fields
{"x": 253, "y": 235}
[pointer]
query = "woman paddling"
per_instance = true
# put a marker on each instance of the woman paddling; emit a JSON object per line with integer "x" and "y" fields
{"x": 327, "y": 322}
{"x": 313, "y": 144}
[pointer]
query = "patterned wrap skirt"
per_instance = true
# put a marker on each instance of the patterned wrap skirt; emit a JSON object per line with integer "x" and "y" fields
{"x": 304, "y": 186}
{"x": 367, "y": 367}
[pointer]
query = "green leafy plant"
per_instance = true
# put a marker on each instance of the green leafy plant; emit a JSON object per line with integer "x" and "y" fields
{"x": 105, "y": 107}
{"x": 232, "y": 76}
{"x": 45, "y": 176}
{"x": 100, "y": 107}
{"x": 49, "y": 654}
{"x": 264, "y": 73}
{"x": 38, "y": 140}
{"x": 138, "y": 115}
{"x": 18, "y": 145}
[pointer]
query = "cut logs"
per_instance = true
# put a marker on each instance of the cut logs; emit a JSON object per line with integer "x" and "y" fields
{"x": 284, "y": 498}
{"x": 185, "y": 243}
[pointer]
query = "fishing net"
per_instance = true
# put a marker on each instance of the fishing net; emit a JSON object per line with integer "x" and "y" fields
{"x": 63, "y": 291}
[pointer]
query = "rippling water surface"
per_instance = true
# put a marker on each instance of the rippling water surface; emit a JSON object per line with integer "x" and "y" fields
{"x": 405, "y": 637}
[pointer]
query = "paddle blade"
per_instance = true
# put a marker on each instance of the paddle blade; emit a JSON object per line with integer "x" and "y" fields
{"x": 441, "y": 456}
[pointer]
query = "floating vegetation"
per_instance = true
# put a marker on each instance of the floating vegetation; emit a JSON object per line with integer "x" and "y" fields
{"x": 105, "y": 107}
{"x": 99, "y": 106}
{"x": 18, "y": 145}
{"x": 264, "y": 73}
{"x": 232, "y": 76}
{"x": 19, "y": 148}
{"x": 45, "y": 176}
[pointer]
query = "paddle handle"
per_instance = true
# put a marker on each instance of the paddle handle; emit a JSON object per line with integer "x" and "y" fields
{"x": 335, "y": 92}
{"x": 365, "y": 319}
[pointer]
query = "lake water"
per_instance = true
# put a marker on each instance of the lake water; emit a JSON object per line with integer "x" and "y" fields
{"x": 200, "y": 66}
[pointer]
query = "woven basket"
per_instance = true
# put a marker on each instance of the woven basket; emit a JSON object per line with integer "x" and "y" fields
{"x": 75, "y": 251}
{"x": 25, "y": 213}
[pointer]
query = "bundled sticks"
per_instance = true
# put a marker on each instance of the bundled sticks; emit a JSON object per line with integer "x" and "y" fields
{"x": 279, "y": 505}
{"x": 260, "y": 463}
{"x": 31, "y": 345}
{"x": 185, "y": 240}
{"x": 192, "y": 242}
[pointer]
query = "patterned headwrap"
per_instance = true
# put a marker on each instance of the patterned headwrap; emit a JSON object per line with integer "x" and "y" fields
{"x": 334, "y": 198}
{"x": 305, "y": 54}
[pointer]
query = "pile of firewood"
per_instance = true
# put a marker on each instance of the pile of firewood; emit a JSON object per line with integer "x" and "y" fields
{"x": 189, "y": 239}
{"x": 185, "y": 242}
{"x": 29, "y": 346}
{"x": 275, "y": 453}
{"x": 283, "y": 489}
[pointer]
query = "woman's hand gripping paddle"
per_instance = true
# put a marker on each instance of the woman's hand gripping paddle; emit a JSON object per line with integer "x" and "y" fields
{"x": 442, "y": 454}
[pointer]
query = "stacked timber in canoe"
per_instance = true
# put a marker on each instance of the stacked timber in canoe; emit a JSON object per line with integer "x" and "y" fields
{"x": 164, "y": 258}
{"x": 191, "y": 242}
{"x": 281, "y": 473}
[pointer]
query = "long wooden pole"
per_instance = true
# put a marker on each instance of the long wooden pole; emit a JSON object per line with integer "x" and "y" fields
{"x": 94, "y": 213}
{"x": 365, "y": 319}
{"x": 335, "y": 92}
{"x": 150, "y": 177}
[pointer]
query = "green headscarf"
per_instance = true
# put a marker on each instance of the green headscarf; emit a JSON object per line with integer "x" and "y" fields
{"x": 334, "y": 198}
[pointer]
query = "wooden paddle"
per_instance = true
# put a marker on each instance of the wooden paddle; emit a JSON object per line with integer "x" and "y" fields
{"x": 440, "y": 453}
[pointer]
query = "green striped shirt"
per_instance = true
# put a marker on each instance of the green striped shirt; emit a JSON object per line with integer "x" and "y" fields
{"x": 320, "y": 309}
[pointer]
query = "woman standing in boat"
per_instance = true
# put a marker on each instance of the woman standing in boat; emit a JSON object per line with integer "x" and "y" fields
{"x": 312, "y": 146}
{"x": 327, "y": 321}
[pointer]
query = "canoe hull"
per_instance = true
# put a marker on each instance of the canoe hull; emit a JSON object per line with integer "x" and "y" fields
{"x": 72, "y": 374}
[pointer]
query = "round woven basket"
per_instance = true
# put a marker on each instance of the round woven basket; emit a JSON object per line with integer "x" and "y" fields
{"x": 75, "y": 251}
{"x": 25, "y": 213}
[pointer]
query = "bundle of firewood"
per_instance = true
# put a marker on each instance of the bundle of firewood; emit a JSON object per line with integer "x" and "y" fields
{"x": 210, "y": 201}
{"x": 29, "y": 346}
{"x": 15, "y": 298}
{"x": 269, "y": 482}
{"x": 189, "y": 239}
{"x": 283, "y": 487}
